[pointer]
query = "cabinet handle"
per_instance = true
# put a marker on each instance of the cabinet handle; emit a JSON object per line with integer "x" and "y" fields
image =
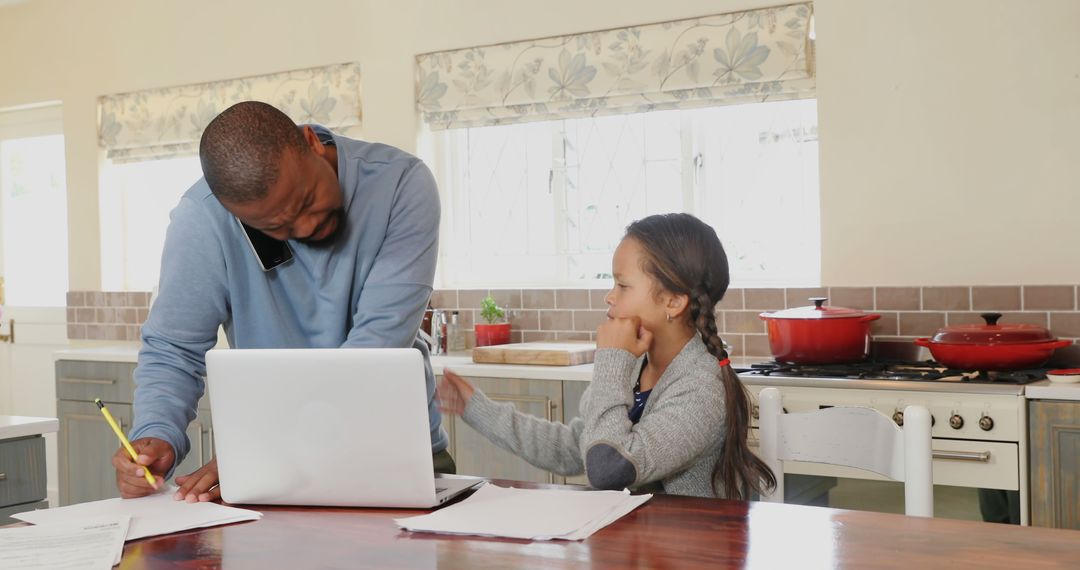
{"x": 975, "y": 456}
{"x": 87, "y": 381}
{"x": 3, "y": 476}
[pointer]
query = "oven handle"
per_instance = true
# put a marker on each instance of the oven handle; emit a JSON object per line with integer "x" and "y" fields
{"x": 975, "y": 456}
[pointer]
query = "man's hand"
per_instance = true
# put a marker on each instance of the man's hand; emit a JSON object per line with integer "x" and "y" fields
{"x": 454, "y": 393}
{"x": 155, "y": 455}
{"x": 200, "y": 486}
{"x": 624, "y": 333}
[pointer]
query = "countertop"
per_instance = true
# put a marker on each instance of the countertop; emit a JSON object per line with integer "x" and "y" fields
{"x": 1047, "y": 390}
{"x": 119, "y": 353}
{"x": 22, "y": 426}
{"x": 460, "y": 362}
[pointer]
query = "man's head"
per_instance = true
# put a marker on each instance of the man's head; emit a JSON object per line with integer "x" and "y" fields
{"x": 274, "y": 176}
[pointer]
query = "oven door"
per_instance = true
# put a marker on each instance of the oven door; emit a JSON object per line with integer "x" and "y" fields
{"x": 973, "y": 480}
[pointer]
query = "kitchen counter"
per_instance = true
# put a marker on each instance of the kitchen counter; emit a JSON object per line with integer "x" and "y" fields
{"x": 1047, "y": 390}
{"x": 119, "y": 353}
{"x": 460, "y": 362}
{"x": 12, "y": 427}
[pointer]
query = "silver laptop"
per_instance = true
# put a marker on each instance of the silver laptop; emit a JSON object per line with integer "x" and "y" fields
{"x": 328, "y": 427}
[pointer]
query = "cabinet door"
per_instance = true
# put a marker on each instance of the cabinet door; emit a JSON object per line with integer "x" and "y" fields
{"x": 87, "y": 444}
{"x": 475, "y": 455}
{"x": 1055, "y": 453}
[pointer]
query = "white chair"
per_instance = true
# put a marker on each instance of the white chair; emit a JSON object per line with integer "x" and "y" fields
{"x": 854, "y": 437}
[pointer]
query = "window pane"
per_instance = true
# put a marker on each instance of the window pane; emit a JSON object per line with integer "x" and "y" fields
{"x": 136, "y": 199}
{"x": 545, "y": 203}
{"x": 760, "y": 190}
{"x": 618, "y": 169}
{"x": 33, "y": 190}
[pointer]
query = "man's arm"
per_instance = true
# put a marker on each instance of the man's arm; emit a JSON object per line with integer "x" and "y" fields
{"x": 399, "y": 284}
{"x": 192, "y": 303}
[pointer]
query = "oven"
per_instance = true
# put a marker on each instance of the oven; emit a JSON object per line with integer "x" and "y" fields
{"x": 979, "y": 438}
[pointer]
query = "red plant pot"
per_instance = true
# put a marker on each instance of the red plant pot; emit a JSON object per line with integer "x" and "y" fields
{"x": 487, "y": 335}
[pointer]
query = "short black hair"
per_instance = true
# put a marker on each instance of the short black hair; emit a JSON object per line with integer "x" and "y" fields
{"x": 241, "y": 150}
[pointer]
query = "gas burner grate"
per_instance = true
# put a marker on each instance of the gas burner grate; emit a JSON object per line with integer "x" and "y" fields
{"x": 924, "y": 370}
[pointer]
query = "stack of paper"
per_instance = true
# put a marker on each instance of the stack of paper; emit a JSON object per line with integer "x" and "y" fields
{"x": 91, "y": 543}
{"x": 532, "y": 514}
{"x": 156, "y": 514}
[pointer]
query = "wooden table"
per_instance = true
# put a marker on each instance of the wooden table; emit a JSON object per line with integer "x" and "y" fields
{"x": 667, "y": 532}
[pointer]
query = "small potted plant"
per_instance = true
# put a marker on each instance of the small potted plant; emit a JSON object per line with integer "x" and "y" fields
{"x": 494, "y": 330}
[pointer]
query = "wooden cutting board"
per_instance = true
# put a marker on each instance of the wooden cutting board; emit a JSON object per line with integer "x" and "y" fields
{"x": 566, "y": 353}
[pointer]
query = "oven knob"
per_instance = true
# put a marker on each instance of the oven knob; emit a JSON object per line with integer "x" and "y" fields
{"x": 986, "y": 423}
{"x": 755, "y": 412}
{"x": 898, "y": 417}
{"x": 956, "y": 421}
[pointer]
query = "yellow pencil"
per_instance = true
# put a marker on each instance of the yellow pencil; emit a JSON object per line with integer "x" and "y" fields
{"x": 127, "y": 444}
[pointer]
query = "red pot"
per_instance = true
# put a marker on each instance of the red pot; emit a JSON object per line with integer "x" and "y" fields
{"x": 992, "y": 346}
{"x": 492, "y": 334}
{"x": 819, "y": 334}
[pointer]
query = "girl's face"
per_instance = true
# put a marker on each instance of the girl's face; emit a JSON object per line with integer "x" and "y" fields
{"x": 635, "y": 292}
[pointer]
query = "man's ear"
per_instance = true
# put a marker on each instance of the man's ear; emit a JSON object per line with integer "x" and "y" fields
{"x": 312, "y": 140}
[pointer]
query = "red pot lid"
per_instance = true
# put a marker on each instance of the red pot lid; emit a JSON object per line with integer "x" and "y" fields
{"x": 993, "y": 333}
{"x": 816, "y": 311}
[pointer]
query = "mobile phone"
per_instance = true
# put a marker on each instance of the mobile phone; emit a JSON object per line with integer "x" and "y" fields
{"x": 269, "y": 251}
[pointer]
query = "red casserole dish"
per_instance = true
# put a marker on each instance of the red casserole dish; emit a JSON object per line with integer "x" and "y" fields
{"x": 992, "y": 346}
{"x": 819, "y": 334}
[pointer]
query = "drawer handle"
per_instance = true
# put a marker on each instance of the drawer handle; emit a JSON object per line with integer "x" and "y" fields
{"x": 975, "y": 456}
{"x": 87, "y": 381}
{"x": 3, "y": 476}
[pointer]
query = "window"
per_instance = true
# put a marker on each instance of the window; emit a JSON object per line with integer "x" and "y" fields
{"x": 33, "y": 208}
{"x": 545, "y": 203}
{"x": 136, "y": 199}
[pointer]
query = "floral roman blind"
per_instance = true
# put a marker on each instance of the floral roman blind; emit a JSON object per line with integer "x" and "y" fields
{"x": 166, "y": 123}
{"x": 740, "y": 57}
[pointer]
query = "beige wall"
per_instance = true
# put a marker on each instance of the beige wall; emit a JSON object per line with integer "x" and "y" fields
{"x": 948, "y": 129}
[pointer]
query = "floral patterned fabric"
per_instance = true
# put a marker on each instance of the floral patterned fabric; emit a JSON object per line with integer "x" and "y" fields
{"x": 741, "y": 57}
{"x": 166, "y": 123}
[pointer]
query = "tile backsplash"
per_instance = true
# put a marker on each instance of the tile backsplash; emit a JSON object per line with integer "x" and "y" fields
{"x": 574, "y": 314}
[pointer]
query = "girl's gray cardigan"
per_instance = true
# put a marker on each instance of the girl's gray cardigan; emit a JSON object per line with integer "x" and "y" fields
{"x": 676, "y": 442}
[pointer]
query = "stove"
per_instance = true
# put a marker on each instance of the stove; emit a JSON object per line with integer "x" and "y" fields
{"x": 979, "y": 417}
{"x": 920, "y": 371}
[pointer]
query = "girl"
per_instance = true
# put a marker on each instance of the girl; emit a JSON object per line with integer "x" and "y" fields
{"x": 664, "y": 411}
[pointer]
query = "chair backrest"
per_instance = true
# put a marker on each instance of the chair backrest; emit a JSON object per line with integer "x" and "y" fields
{"x": 863, "y": 438}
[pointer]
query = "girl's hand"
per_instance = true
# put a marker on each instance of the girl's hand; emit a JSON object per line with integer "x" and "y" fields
{"x": 624, "y": 333}
{"x": 453, "y": 393}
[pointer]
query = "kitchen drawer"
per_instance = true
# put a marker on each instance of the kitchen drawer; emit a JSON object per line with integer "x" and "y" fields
{"x": 22, "y": 470}
{"x": 85, "y": 380}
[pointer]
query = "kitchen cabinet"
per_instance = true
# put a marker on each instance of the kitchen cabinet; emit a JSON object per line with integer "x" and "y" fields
{"x": 475, "y": 455}
{"x": 22, "y": 464}
{"x": 22, "y": 476}
{"x": 1054, "y": 434}
{"x": 87, "y": 443}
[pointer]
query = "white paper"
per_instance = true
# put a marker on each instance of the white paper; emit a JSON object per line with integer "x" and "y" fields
{"x": 532, "y": 514}
{"x": 91, "y": 543}
{"x": 156, "y": 514}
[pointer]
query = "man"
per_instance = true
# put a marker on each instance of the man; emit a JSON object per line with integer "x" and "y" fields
{"x": 295, "y": 237}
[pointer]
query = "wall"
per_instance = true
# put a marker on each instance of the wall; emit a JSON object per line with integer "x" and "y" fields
{"x": 947, "y": 128}
{"x": 574, "y": 314}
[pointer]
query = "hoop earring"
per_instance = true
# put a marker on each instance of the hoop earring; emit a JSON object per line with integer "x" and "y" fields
{"x": 668, "y": 317}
